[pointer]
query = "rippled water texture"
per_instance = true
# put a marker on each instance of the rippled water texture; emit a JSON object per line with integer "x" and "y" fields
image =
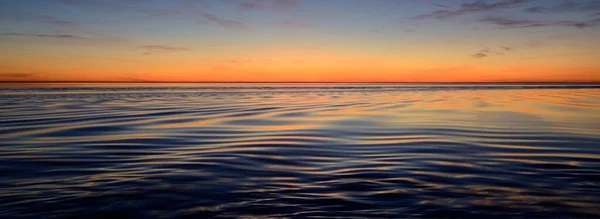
{"x": 300, "y": 151}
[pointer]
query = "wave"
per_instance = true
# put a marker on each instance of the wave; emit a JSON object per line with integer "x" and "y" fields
{"x": 360, "y": 152}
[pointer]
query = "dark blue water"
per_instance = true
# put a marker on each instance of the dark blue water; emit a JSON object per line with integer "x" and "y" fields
{"x": 299, "y": 151}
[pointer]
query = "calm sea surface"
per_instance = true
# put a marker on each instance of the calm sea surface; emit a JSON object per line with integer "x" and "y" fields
{"x": 299, "y": 151}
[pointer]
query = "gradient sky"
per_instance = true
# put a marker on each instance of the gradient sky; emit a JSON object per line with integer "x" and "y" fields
{"x": 300, "y": 40}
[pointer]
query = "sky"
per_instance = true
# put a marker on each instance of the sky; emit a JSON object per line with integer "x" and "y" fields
{"x": 300, "y": 40}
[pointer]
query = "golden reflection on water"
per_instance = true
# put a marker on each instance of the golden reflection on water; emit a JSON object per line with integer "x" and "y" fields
{"x": 366, "y": 148}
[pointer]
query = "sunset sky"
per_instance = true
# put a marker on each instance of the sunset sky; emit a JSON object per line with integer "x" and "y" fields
{"x": 300, "y": 40}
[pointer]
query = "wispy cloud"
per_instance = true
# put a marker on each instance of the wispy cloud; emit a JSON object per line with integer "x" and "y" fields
{"x": 470, "y": 8}
{"x": 512, "y": 23}
{"x": 437, "y": 4}
{"x": 52, "y": 20}
{"x": 230, "y": 24}
{"x": 72, "y": 36}
{"x": 117, "y": 6}
{"x": 568, "y": 6}
{"x": 479, "y": 55}
{"x": 487, "y": 7}
{"x": 146, "y": 48}
{"x": 279, "y": 6}
{"x": 58, "y": 36}
{"x": 431, "y": 2}
{"x": 188, "y": 9}
{"x": 163, "y": 48}
{"x": 523, "y": 23}
{"x": 486, "y": 51}
{"x": 149, "y": 49}
{"x": 20, "y": 16}
{"x": 16, "y": 75}
{"x": 27, "y": 15}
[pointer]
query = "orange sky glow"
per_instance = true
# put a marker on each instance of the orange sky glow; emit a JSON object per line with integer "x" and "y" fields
{"x": 295, "y": 41}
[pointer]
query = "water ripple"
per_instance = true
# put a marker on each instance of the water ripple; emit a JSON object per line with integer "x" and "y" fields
{"x": 306, "y": 151}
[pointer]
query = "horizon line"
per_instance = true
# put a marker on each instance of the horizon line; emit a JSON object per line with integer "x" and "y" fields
{"x": 303, "y": 82}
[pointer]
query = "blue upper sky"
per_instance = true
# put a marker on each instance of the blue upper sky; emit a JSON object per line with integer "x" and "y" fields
{"x": 449, "y": 33}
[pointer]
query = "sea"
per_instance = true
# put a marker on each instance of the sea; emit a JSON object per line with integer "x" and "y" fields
{"x": 299, "y": 150}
